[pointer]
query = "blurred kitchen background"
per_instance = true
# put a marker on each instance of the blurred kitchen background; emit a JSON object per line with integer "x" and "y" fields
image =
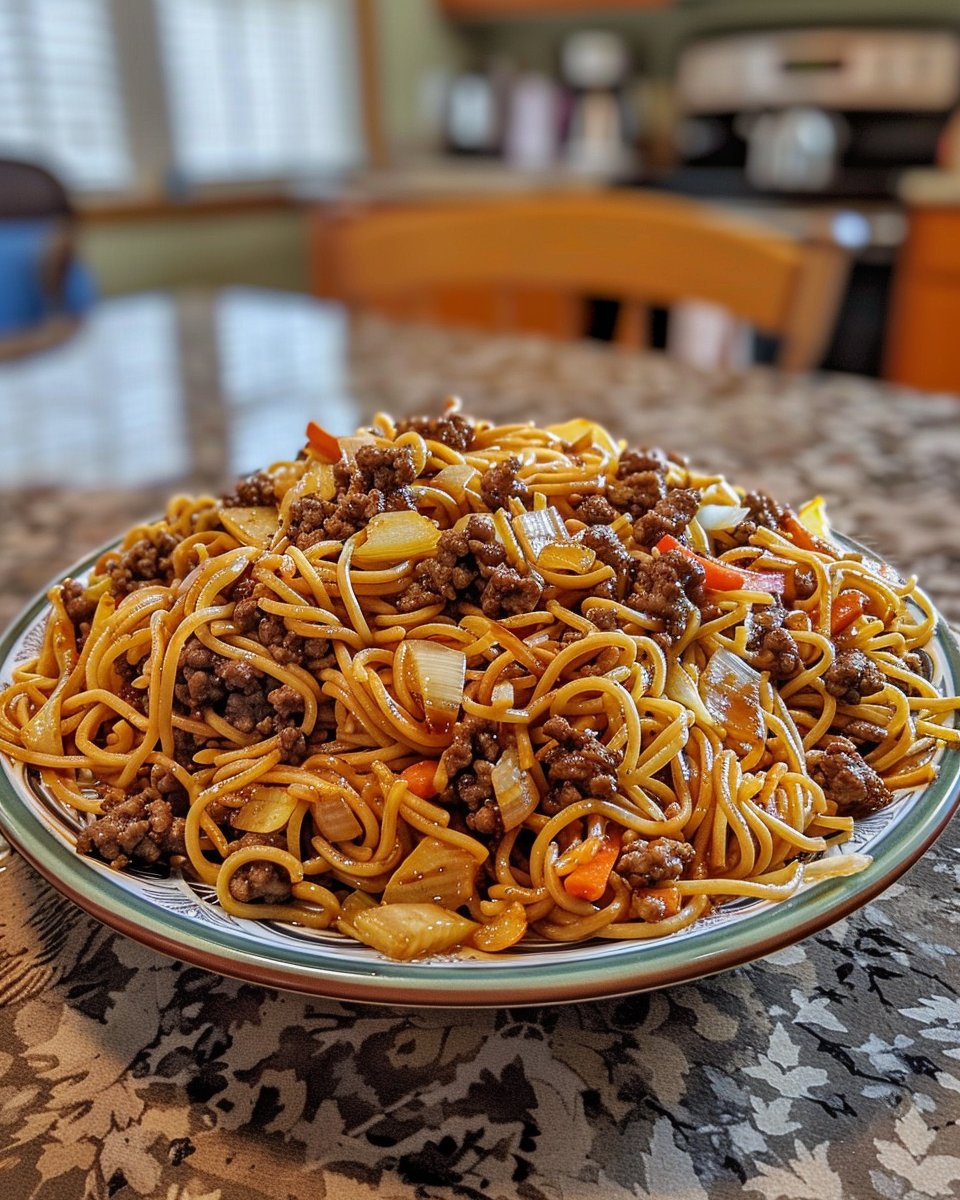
{"x": 205, "y": 143}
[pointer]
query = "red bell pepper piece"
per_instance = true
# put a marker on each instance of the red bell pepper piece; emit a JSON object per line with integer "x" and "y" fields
{"x": 724, "y": 577}
{"x": 324, "y": 445}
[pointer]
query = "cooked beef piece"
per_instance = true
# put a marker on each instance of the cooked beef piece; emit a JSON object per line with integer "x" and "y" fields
{"x": 472, "y": 738}
{"x": 508, "y": 593}
{"x": 636, "y": 494}
{"x": 378, "y": 482}
{"x": 603, "y": 618}
{"x": 78, "y": 606}
{"x": 451, "y": 429}
{"x": 595, "y": 510}
{"x": 146, "y": 562}
{"x": 764, "y": 512}
{"x": 166, "y": 783}
{"x": 462, "y": 556}
{"x": 259, "y": 880}
{"x": 638, "y": 458}
{"x": 243, "y": 695}
{"x": 468, "y": 761}
{"x": 774, "y": 650}
{"x": 578, "y": 765}
{"x": 847, "y": 779}
{"x": 612, "y": 553}
{"x": 670, "y": 515}
{"x": 255, "y": 490}
{"x": 666, "y": 588}
{"x": 136, "y": 828}
{"x": 499, "y": 482}
{"x": 646, "y": 864}
{"x": 386, "y": 469}
{"x": 851, "y": 676}
{"x": 804, "y": 583}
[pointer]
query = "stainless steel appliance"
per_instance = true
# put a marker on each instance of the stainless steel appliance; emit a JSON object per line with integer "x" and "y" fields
{"x": 810, "y": 129}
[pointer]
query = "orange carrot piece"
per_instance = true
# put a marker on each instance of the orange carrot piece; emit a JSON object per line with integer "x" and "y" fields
{"x": 420, "y": 778}
{"x": 589, "y": 880}
{"x": 324, "y": 445}
{"x": 846, "y": 608}
{"x": 669, "y": 897}
{"x": 725, "y": 577}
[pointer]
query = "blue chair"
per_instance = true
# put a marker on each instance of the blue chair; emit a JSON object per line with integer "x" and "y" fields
{"x": 41, "y": 278}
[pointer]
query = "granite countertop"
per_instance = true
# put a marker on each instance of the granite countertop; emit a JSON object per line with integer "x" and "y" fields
{"x": 829, "y": 1070}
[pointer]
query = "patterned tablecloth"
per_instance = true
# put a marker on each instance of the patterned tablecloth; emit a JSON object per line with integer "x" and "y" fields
{"x": 830, "y": 1070}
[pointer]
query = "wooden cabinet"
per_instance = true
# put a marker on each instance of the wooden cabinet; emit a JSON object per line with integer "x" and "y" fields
{"x": 923, "y": 342}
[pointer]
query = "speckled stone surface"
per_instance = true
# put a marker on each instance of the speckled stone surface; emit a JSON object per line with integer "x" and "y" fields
{"x": 830, "y": 1070}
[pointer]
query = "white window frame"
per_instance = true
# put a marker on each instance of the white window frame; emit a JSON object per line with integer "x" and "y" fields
{"x": 155, "y": 173}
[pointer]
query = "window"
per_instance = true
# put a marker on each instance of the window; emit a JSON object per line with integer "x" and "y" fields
{"x": 258, "y": 88}
{"x": 60, "y": 99}
{"x": 255, "y": 89}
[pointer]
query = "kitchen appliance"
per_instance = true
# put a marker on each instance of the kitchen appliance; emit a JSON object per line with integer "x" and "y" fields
{"x": 810, "y": 130}
{"x": 594, "y": 66}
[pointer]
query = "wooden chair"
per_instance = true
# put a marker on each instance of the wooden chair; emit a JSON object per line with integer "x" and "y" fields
{"x": 528, "y": 262}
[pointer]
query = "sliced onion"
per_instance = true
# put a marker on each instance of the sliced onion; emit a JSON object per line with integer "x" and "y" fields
{"x": 434, "y": 871}
{"x": 269, "y": 810}
{"x": 407, "y": 931}
{"x": 455, "y": 479}
{"x": 253, "y": 526}
{"x": 516, "y": 792}
{"x": 680, "y": 688}
{"x": 503, "y": 695}
{"x": 731, "y": 691}
{"x": 538, "y": 529}
{"x": 586, "y": 433}
{"x": 721, "y": 516}
{"x": 439, "y": 673}
{"x": 335, "y": 819}
{"x": 566, "y": 556}
{"x": 395, "y": 536}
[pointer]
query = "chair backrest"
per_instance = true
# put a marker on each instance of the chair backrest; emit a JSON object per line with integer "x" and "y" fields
{"x": 645, "y": 249}
{"x": 28, "y": 190}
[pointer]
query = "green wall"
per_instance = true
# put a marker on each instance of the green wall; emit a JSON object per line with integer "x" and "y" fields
{"x": 263, "y": 249}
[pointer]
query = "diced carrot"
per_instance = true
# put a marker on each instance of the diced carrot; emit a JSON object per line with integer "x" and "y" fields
{"x": 724, "y": 577}
{"x": 845, "y": 609}
{"x": 800, "y": 535}
{"x": 669, "y": 898}
{"x": 589, "y": 880}
{"x": 420, "y": 778}
{"x": 324, "y": 445}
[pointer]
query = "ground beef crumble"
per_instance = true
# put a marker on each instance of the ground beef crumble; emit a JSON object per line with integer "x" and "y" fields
{"x": 139, "y": 828}
{"x": 469, "y": 760}
{"x": 500, "y": 482}
{"x": 666, "y": 588}
{"x": 462, "y": 557}
{"x": 772, "y": 647}
{"x": 146, "y": 562}
{"x": 851, "y": 676}
{"x": 577, "y": 766}
{"x": 612, "y": 553}
{"x": 259, "y": 880}
{"x": 764, "y": 513}
{"x": 79, "y": 607}
{"x": 255, "y": 491}
{"x": 847, "y": 779}
{"x": 379, "y": 481}
{"x": 508, "y": 593}
{"x": 671, "y": 515}
{"x": 647, "y": 865}
{"x": 594, "y": 510}
{"x": 451, "y": 429}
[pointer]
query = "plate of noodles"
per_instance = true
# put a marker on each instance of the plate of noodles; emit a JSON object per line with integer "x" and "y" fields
{"x": 452, "y": 713}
